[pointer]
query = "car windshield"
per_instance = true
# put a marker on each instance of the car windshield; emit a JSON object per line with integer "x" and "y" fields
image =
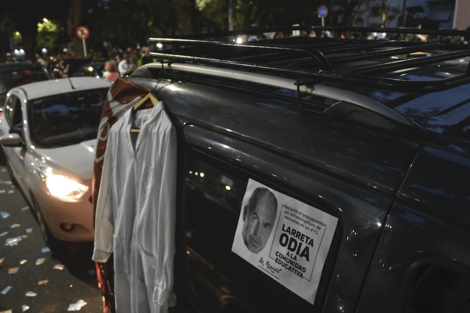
{"x": 65, "y": 119}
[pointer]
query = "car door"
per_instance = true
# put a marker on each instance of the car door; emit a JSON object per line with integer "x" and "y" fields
{"x": 347, "y": 170}
{"x": 15, "y": 155}
{"x": 217, "y": 173}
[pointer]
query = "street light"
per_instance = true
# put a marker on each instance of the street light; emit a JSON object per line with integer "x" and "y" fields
{"x": 44, "y": 20}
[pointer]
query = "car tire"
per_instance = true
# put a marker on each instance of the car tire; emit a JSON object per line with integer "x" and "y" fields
{"x": 45, "y": 231}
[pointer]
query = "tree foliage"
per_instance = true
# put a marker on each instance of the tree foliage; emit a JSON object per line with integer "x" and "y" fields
{"x": 48, "y": 33}
{"x": 127, "y": 22}
{"x": 213, "y": 14}
{"x": 123, "y": 22}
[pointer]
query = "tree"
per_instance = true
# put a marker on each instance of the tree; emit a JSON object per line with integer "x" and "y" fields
{"x": 29, "y": 30}
{"x": 123, "y": 23}
{"x": 259, "y": 13}
{"x": 185, "y": 11}
{"x": 25, "y": 21}
{"x": 74, "y": 20}
{"x": 48, "y": 33}
{"x": 347, "y": 6}
{"x": 6, "y": 29}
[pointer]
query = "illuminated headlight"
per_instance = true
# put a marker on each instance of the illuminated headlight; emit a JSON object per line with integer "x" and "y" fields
{"x": 60, "y": 186}
{"x": 63, "y": 187}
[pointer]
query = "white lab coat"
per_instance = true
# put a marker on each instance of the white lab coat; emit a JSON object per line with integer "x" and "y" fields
{"x": 136, "y": 208}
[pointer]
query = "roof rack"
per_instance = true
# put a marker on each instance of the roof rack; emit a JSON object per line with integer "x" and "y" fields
{"x": 321, "y": 70}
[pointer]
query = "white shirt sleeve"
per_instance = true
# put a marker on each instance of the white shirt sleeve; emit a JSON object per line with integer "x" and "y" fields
{"x": 123, "y": 66}
{"x": 104, "y": 228}
{"x": 163, "y": 292}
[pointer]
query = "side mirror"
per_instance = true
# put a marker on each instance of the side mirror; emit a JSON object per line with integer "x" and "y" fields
{"x": 12, "y": 140}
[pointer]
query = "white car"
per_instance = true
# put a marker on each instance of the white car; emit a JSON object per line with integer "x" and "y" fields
{"x": 48, "y": 132}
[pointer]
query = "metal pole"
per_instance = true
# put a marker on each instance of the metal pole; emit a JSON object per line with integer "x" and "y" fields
{"x": 230, "y": 15}
{"x": 403, "y": 12}
{"x": 455, "y": 14}
{"x": 84, "y": 47}
{"x": 322, "y": 21}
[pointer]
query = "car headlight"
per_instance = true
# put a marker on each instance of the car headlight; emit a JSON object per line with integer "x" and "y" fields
{"x": 62, "y": 187}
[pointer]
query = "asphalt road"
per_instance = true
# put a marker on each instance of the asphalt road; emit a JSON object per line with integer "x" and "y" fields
{"x": 77, "y": 281}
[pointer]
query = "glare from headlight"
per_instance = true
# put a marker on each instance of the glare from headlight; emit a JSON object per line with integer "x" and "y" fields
{"x": 62, "y": 187}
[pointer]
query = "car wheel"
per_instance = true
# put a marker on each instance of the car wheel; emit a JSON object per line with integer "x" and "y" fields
{"x": 45, "y": 231}
{"x": 10, "y": 173}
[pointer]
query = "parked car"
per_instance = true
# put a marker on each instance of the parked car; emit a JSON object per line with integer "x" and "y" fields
{"x": 48, "y": 134}
{"x": 17, "y": 74}
{"x": 352, "y": 129}
{"x": 94, "y": 69}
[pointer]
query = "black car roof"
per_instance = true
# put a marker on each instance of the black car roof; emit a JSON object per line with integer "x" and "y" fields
{"x": 427, "y": 82}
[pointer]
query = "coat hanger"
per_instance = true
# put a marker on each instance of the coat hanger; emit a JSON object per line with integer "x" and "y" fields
{"x": 139, "y": 104}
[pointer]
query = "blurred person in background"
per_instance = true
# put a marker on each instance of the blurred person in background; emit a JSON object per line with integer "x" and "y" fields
{"x": 125, "y": 65}
{"x": 132, "y": 54}
{"x": 62, "y": 68}
{"x": 110, "y": 71}
{"x": 41, "y": 61}
{"x": 145, "y": 58}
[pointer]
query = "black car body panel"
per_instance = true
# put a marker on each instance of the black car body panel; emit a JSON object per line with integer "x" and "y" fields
{"x": 429, "y": 271}
{"x": 442, "y": 189}
{"x": 313, "y": 138}
{"x": 361, "y": 212}
{"x": 399, "y": 187}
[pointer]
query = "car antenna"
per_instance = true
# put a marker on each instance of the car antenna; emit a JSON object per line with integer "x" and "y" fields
{"x": 71, "y": 83}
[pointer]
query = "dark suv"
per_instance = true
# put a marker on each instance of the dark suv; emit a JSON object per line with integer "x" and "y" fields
{"x": 365, "y": 145}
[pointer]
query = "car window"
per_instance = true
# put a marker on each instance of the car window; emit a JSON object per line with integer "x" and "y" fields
{"x": 99, "y": 70}
{"x": 17, "y": 113}
{"x": 65, "y": 119}
{"x": 213, "y": 196}
{"x": 79, "y": 72}
{"x": 12, "y": 106}
{"x": 84, "y": 70}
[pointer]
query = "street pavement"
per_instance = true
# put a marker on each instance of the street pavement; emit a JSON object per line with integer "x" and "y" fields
{"x": 40, "y": 288}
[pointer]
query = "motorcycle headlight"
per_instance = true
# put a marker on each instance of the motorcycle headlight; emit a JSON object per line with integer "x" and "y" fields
{"x": 63, "y": 187}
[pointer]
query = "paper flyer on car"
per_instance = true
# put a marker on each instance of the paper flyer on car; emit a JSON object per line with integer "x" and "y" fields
{"x": 284, "y": 238}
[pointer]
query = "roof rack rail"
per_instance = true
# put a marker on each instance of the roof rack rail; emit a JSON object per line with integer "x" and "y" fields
{"x": 397, "y": 65}
{"x": 349, "y": 105}
{"x": 355, "y": 77}
{"x": 389, "y": 52}
{"x": 314, "y": 53}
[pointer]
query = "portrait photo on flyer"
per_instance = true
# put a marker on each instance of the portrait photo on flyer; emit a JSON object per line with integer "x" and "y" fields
{"x": 284, "y": 238}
